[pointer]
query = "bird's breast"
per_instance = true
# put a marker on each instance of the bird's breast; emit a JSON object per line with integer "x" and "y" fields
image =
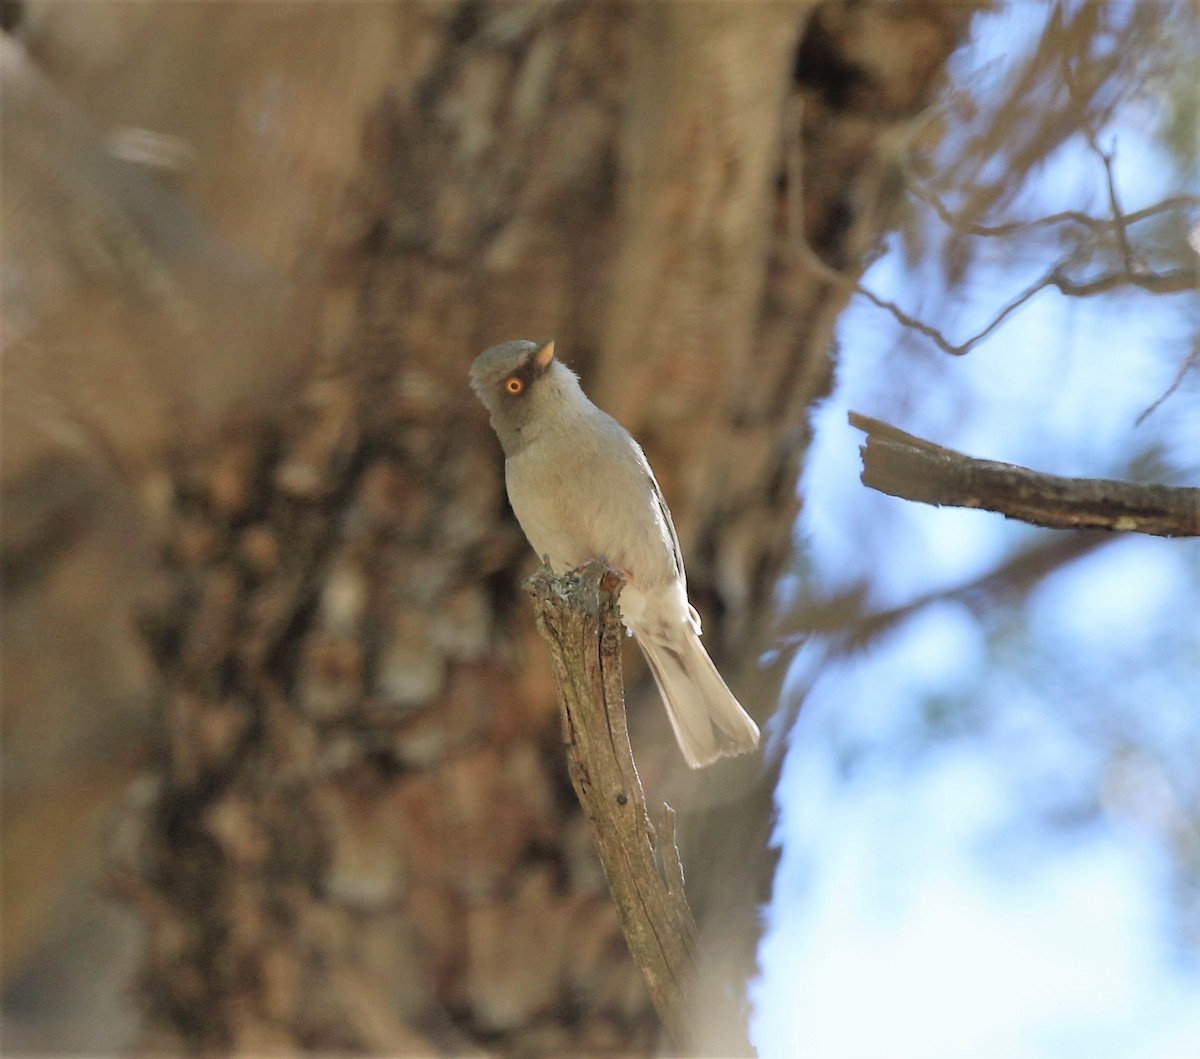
{"x": 577, "y": 501}
{"x": 554, "y": 511}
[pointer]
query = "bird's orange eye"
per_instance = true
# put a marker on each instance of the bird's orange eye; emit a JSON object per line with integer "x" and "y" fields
{"x": 514, "y": 385}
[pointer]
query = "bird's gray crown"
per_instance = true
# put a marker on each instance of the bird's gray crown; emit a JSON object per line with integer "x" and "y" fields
{"x": 494, "y": 365}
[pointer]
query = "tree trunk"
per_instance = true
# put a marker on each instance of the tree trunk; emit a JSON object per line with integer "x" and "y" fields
{"x": 360, "y": 836}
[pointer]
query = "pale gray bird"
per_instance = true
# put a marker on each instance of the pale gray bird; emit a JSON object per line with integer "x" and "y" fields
{"x": 581, "y": 488}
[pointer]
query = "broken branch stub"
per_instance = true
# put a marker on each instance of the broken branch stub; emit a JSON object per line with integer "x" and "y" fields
{"x": 578, "y": 616}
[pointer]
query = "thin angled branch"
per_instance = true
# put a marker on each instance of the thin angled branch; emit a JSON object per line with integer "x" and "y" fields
{"x": 941, "y": 341}
{"x": 1189, "y": 362}
{"x": 1133, "y": 273}
{"x": 1085, "y": 220}
{"x": 811, "y": 260}
{"x": 1175, "y": 281}
{"x": 905, "y": 466}
{"x": 578, "y": 616}
{"x": 1130, "y": 263}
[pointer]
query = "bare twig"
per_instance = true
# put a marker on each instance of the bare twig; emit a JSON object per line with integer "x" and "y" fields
{"x": 940, "y": 340}
{"x": 1176, "y": 281}
{"x": 577, "y": 614}
{"x": 1133, "y": 273}
{"x": 1094, "y": 224}
{"x": 1189, "y": 362}
{"x": 1131, "y": 265}
{"x": 911, "y": 468}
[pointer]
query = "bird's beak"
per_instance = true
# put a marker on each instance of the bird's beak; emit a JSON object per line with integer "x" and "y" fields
{"x": 544, "y": 355}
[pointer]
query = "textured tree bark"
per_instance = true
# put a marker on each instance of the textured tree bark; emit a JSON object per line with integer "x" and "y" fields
{"x": 357, "y": 834}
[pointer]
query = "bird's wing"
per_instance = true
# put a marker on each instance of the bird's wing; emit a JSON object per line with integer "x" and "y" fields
{"x": 665, "y": 514}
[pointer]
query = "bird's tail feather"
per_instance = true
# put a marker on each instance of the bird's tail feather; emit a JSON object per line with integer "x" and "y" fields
{"x": 708, "y": 721}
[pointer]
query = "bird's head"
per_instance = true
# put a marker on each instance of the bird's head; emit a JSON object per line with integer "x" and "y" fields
{"x": 511, "y": 381}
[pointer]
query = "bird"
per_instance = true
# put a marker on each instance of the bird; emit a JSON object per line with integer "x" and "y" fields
{"x": 582, "y": 489}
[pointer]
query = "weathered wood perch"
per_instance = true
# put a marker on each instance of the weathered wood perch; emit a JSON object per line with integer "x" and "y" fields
{"x": 578, "y": 616}
{"x": 912, "y": 468}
